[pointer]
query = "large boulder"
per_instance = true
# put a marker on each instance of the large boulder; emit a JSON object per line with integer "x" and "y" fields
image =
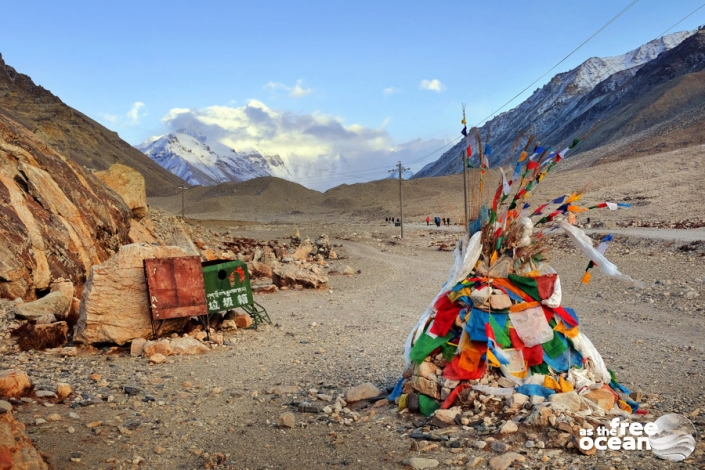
{"x": 56, "y": 220}
{"x": 288, "y": 275}
{"x": 141, "y": 234}
{"x": 129, "y": 184}
{"x": 57, "y": 302}
{"x": 16, "y": 449}
{"x": 115, "y": 307}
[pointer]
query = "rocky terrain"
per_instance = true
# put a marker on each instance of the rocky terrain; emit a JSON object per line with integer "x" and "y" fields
{"x": 282, "y": 402}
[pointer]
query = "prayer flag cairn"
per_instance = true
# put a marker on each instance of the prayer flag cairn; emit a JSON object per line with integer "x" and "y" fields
{"x": 498, "y": 319}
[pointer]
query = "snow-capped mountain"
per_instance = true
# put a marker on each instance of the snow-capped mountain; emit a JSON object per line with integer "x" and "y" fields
{"x": 201, "y": 162}
{"x": 550, "y": 110}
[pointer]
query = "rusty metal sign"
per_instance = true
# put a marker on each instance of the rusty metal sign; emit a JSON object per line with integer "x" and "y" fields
{"x": 175, "y": 287}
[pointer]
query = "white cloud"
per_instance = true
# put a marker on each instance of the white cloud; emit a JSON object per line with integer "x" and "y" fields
{"x": 297, "y": 91}
{"x": 134, "y": 113}
{"x": 432, "y": 85}
{"x": 390, "y": 90}
{"x": 320, "y": 150}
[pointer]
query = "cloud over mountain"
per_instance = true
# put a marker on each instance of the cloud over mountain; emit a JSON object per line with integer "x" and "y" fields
{"x": 319, "y": 150}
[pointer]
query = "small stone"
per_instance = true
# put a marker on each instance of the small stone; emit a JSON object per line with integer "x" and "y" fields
{"x": 324, "y": 397}
{"x": 516, "y": 401}
{"x": 71, "y": 430}
{"x": 93, "y": 424}
{"x": 476, "y": 462}
{"x": 361, "y": 392}
{"x": 73, "y": 415}
{"x": 45, "y": 394}
{"x": 448, "y": 416}
{"x": 14, "y": 383}
{"x": 243, "y": 321}
{"x": 137, "y": 346}
{"x": 509, "y": 427}
{"x": 537, "y": 399}
{"x": 421, "y": 463}
{"x": 602, "y": 398}
{"x": 502, "y": 462}
{"x": 95, "y": 377}
{"x": 286, "y": 420}
{"x": 39, "y": 421}
{"x": 530, "y": 444}
{"x": 158, "y": 450}
{"x": 499, "y": 446}
{"x": 54, "y": 417}
{"x": 569, "y": 400}
{"x": 63, "y": 390}
{"x": 157, "y": 358}
{"x": 479, "y": 444}
{"x": 5, "y": 406}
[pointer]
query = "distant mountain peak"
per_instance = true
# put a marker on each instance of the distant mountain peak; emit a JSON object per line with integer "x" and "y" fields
{"x": 557, "y": 110}
{"x": 198, "y": 161}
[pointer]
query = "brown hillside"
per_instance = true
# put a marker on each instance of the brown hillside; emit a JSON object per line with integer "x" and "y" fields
{"x": 73, "y": 134}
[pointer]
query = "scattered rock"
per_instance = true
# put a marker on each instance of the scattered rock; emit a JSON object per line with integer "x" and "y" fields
{"x": 286, "y": 420}
{"x": 568, "y": 400}
{"x": 137, "y": 347}
{"x": 63, "y": 390}
{"x": 361, "y": 392}
{"x": 499, "y": 446}
{"x": 509, "y": 427}
{"x": 162, "y": 347}
{"x": 421, "y": 463}
{"x": 14, "y": 383}
{"x": 448, "y": 416}
{"x": 243, "y": 321}
{"x": 57, "y": 302}
{"x": 288, "y": 275}
{"x": 603, "y": 398}
{"x": 188, "y": 345}
{"x": 502, "y": 462}
{"x": 348, "y": 271}
{"x": 157, "y": 358}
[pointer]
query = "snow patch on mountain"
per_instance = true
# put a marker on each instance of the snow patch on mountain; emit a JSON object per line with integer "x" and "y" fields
{"x": 199, "y": 161}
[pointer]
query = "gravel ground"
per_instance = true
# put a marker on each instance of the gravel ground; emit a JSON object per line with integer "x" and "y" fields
{"x": 188, "y": 411}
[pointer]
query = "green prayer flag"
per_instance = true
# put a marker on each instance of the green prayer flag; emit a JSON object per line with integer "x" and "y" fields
{"x": 425, "y": 345}
{"x": 526, "y": 284}
{"x": 427, "y": 405}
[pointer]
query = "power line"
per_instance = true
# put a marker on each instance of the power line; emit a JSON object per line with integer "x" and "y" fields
{"x": 683, "y": 19}
{"x": 560, "y": 61}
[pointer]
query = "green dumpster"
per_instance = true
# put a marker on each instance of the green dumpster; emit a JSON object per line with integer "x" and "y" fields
{"x": 227, "y": 285}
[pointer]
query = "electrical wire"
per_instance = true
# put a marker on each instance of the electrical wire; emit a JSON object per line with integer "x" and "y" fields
{"x": 683, "y": 19}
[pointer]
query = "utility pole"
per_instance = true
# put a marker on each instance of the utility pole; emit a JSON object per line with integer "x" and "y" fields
{"x": 401, "y": 197}
{"x": 182, "y": 188}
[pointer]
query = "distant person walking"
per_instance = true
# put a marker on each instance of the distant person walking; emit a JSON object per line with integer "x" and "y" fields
{"x": 437, "y": 220}
{"x": 448, "y": 219}
{"x": 428, "y": 220}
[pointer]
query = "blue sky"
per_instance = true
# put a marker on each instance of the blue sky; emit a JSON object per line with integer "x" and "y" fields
{"x": 399, "y": 70}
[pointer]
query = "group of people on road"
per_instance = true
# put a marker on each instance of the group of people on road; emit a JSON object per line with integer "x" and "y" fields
{"x": 438, "y": 220}
{"x": 390, "y": 220}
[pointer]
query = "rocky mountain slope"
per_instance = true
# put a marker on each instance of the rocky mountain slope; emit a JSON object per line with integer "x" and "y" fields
{"x": 56, "y": 219}
{"x": 73, "y": 134}
{"x": 599, "y": 92}
{"x": 202, "y": 162}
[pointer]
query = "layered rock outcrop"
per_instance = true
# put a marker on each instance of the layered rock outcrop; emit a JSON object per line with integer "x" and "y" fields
{"x": 56, "y": 220}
